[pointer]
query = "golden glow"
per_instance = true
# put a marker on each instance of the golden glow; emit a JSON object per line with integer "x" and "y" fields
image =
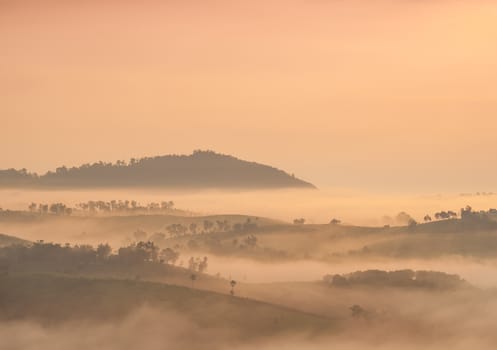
{"x": 326, "y": 89}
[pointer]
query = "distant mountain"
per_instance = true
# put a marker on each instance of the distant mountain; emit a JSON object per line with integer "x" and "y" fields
{"x": 202, "y": 169}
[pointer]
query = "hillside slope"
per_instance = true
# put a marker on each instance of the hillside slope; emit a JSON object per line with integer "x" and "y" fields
{"x": 47, "y": 298}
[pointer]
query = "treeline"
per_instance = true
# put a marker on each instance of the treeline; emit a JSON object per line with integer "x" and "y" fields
{"x": 195, "y": 229}
{"x": 208, "y": 226}
{"x": 71, "y": 257}
{"x": 466, "y": 213}
{"x": 100, "y": 207}
{"x": 124, "y": 206}
{"x": 239, "y": 246}
{"x": 469, "y": 214}
{"x": 469, "y": 219}
{"x": 400, "y": 278}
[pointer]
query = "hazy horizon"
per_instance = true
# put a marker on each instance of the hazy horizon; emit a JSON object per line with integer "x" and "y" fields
{"x": 359, "y": 181}
{"x": 384, "y": 95}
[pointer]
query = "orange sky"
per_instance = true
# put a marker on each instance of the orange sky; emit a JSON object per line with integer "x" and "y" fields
{"x": 360, "y": 93}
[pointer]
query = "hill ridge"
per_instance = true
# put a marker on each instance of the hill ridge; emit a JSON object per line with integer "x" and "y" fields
{"x": 201, "y": 169}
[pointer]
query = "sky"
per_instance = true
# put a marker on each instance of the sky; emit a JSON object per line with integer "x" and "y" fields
{"x": 381, "y": 94}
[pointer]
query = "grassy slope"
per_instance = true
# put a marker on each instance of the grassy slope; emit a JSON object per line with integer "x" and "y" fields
{"x": 447, "y": 237}
{"x": 55, "y": 299}
{"x": 277, "y": 240}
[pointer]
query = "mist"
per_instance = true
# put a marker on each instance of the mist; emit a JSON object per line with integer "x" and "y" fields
{"x": 274, "y": 174}
{"x": 352, "y": 206}
{"x": 148, "y": 328}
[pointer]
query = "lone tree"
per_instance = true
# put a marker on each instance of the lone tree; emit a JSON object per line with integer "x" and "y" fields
{"x": 103, "y": 252}
{"x": 358, "y": 311}
{"x": 412, "y": 223}
{"x": 193, "y": 277}
{"x": 232, "y": 284}
{"x": 202, "y": 265}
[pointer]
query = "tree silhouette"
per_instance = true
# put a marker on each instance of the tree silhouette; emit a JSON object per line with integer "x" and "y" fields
{"x": 169, "y": 256}
{"x": 202, "y": 265}
{"x": 358, "y": 311}
{"x": 103, "y": 252}
{"x": 232, "y": 284}
{"x": 412, "y": 223}
{"x": 193, "y": 228}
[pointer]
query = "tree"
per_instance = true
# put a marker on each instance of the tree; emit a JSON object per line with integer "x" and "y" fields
{"x": 466, "y": 212}
{"x": 169, "y": 256}
{"x": 139, "y": 253}
{"x": 427, "y": 218}
{"x": 193, "y": 277}
{"x": 193, "y": 228}
{"x": 251, "y": 241}
{"x": 202, "y": 266}
{"x": 403, "y": 217}
{"x": 232, "y": 284}
{"x": 411, "y": 223}
{"x": 358, "y": 311}
{"x": 208, "y": 225}
{"x": 103, "y": 252}
{"x": 224, "y": 225}
{"x": 192, "y": 265}
{"x": 445, "y": 215}
{"x": 335, "y": 222}
{"x": 150, "y": 249}
{"x": 43, "y": 208}
{"x": 176, "y": 229}
{"x": 300, "y": 221}
{"x": 58, "y": 208}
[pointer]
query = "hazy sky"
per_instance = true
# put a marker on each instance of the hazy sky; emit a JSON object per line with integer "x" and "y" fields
{"x": 397, "y": 94}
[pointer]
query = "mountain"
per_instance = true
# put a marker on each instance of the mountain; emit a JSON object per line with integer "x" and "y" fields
{"x": 201, "y": 169}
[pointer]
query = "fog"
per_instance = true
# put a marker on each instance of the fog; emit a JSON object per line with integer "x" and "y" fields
{"x": 147, "y": 328}
{"x": 386, "y": 106}
{"x": 479, "y": 273}
{"x": 352, "y": 206}
{"x": 144, "y": 328}
{"x": 249, "y": 280}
